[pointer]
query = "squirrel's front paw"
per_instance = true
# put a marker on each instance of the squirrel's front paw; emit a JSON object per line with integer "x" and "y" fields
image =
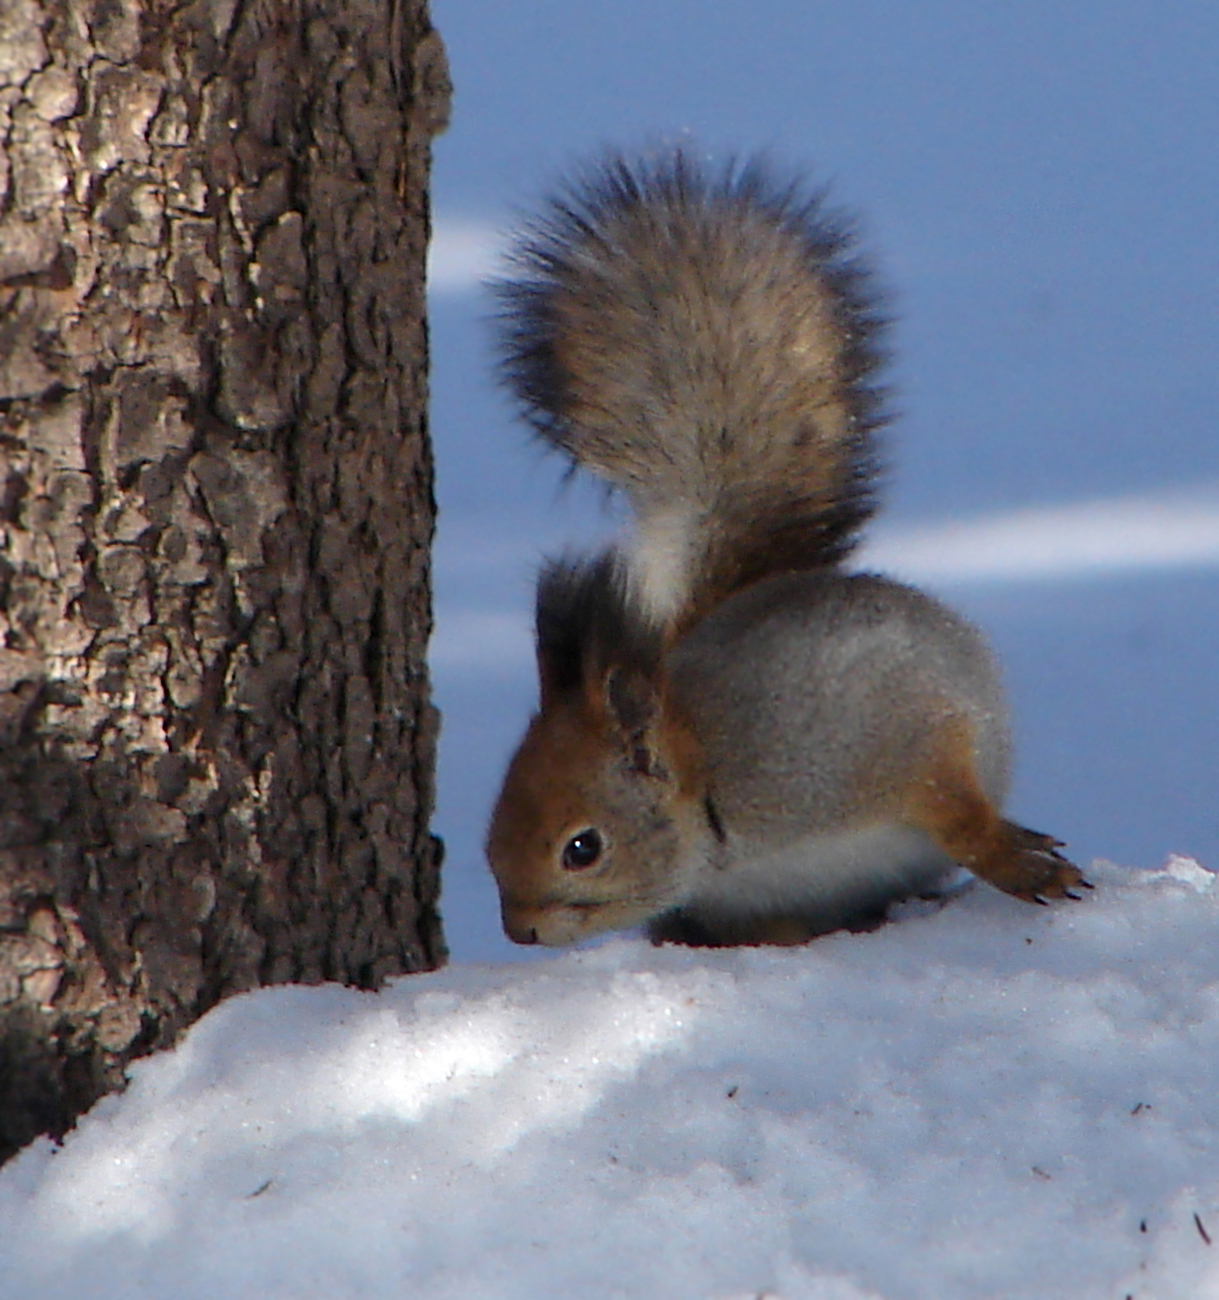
{"x": 1030, "y": 867}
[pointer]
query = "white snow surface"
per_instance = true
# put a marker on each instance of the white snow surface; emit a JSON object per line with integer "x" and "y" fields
{"x": 981, "y": 1099}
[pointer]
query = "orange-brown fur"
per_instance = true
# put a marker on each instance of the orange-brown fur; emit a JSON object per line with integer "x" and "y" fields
{"x": 948, "y": 802}
{"x": 607, "y": 733}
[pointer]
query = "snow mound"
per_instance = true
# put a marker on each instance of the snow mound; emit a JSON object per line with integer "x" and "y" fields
{"x": 982, "y": 1099}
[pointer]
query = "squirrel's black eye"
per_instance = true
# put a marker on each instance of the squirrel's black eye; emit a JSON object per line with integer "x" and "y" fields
{"x": 582, "y": 850}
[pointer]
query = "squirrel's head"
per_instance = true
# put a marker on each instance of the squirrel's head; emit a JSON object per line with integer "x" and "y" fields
{"x": 593, "y": 827}
{"x": 597, "y": 826}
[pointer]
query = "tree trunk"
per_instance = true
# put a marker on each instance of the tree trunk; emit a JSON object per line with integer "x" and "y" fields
{"x": 216, "y": 741}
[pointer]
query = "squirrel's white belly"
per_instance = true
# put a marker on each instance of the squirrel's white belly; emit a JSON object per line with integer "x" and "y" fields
{"x": 822, "y": 876}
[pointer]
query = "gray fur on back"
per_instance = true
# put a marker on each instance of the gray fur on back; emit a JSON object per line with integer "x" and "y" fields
{"x": 858, "y": 669}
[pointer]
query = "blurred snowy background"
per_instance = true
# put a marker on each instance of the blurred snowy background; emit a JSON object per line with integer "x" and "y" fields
{"x": 1037, "y": 183}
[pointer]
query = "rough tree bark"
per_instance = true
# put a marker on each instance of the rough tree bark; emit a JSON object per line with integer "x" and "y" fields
{"x": 216, "y": 741}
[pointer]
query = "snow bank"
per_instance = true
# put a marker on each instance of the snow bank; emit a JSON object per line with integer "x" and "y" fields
{"x": 463, "y": 256}
{"x": 982, "y": 1100}
{"x": 1085, "y": 539}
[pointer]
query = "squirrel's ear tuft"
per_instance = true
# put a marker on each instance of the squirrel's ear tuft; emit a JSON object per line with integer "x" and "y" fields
{"x": 587, "y": 625}
{"x": 554, "y": 675}
{"x": 569, "y": 593}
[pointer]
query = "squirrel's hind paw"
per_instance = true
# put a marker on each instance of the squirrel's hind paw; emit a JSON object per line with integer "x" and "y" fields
{"x": 1032, "y": 868}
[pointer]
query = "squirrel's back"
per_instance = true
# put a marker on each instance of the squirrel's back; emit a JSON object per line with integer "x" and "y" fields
{"x": 707, "y": 343}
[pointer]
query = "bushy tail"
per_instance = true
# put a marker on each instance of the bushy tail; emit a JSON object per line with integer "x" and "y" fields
{"x": 707, "y": 343}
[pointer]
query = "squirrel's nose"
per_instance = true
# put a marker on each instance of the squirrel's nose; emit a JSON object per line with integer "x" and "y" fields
{"x": 518, "y": 930}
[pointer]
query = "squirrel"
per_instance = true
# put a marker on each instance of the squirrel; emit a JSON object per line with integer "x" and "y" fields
{"x": 738, "y": 740}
